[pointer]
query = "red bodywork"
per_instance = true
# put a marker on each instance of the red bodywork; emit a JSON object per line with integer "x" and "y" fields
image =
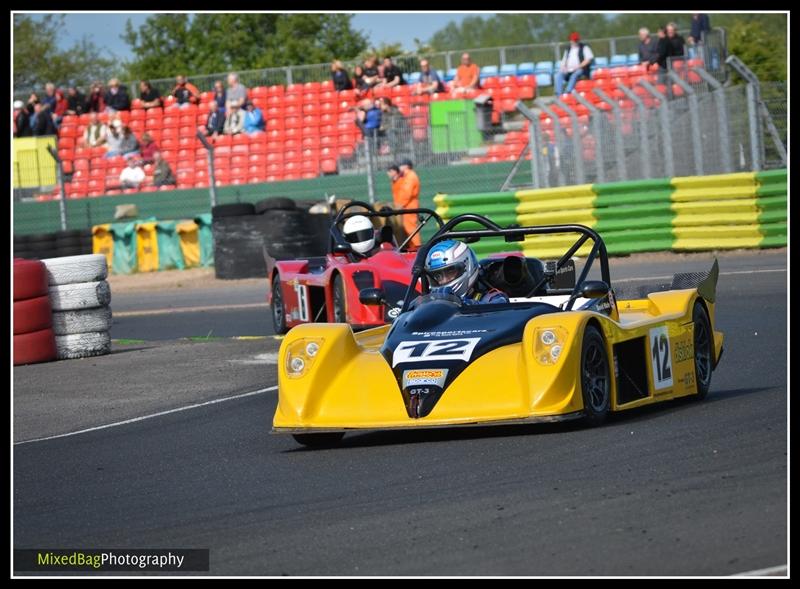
{"x": 307, "y": 285}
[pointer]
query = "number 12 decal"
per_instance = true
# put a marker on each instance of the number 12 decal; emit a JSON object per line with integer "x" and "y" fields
{"x": 435, "y": 350}
{"x": 661, "y": 358}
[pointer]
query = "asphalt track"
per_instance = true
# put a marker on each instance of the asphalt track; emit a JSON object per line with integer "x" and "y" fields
{"x": 683, "y": 488}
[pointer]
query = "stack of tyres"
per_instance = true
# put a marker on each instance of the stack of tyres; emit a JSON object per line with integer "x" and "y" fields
{"x": 34, "y": 340}
{"x": 80, "y": 297}
{"x": 72, "y": 242}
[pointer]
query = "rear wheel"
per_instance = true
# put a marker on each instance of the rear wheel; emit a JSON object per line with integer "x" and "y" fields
{"x": 278, "y": 308}
{"x": 595, "y": 377}
{"x": 339, "y": 312}
{"x": 325, "y": 440}
{"x": 703, "y": 355}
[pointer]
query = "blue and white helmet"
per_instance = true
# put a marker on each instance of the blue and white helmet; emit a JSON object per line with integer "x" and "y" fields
{"x": 452, "y": 263}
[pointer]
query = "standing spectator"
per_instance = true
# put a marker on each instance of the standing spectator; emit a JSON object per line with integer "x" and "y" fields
{"x": 132, "y": 174}
{"x": 116, "y": 97}
{"x": 412, "y": 192}
{"x": 148, "y": 148}
{"x": 675, "y": 43}
{"x": 150, "y": 97}
{"x": 700, "y": 24}
{"x": 50, "y": 96}
{"x": 253, "y": 119}
{"x": 429, "y": 81}
{"x": 371, "y": 75}
{"x": 234, "y": 122}
{"x": 467, "y": 76}
{"x": 162, "y": 173}
{"x": 42, "y": 123}
{"x": 22, "y": 122}
{"x": 341, "y": 81}
{"x": 368, "y": 118}
{"x": 220, "y": 96}
{"x": 61, "y": 107}
{"x": 30, "y": 108}
{"x": 392, "y": 76}
{"x": 76, "y": 102}
{"x": 184, "y": 92}
{"x": 216, "y": 120}
{"x": 648, "y": 47}
{"x": 575, "y": 64}
{"x": 358, "y": 80}
{"x": 394, "y": 126}
{"x": 96, "y": 102}
{"x": 237, "y": 93}
{"x": 96, "y": 131}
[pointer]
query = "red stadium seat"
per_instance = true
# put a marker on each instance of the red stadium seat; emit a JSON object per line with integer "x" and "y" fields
{"x": 276, "y": 90}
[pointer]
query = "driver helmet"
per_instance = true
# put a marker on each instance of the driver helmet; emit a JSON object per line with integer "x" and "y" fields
{"x": 452, "y": 264}
{"x": 359, "y": 233}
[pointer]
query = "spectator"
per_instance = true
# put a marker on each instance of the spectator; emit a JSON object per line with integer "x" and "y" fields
{"x": 129, "y": 145}
{"x": 132, "y": 174}
{"x": 253, "y": 119}
{"x": 391, "y": 76}
{"x": 42, "y": 123}
{"x": 30, "y": 108}
{"x": 648, "y": 47}
{"x": 412, "y": 187}
{"x": 50, "y": 96}
{"x": 575, "y": 64}
{"x": 76, "y": 102}
{"x": 116, "y": 97}
{"x": 371, "y": 75}
{"x": 220, "y": 96}
{"x": 96, "y": 132}
{"x": 341, "y": 81}
{"x": 120, "y": 140}
{"x": 429, "y": 81}
{"x": 394, "y": 126}
{"x": 22, "y": 122}
{"x": 162, "y": 173}
{"x": 368, "y": 118}
{"x": 185, "y": 93}
{"x": 358, "y": 79}
{"x": 216, "y": 120}
{"x": 96, "y": 102}
{"x": 675, "y": 43}
{"x": 234, "y": 122}
{"x": 237, "y": 93}
{"x": 467, "y": 76}
{"x": 148, "y": 148}
{"x": 402, "y": 198}
{"x": 150, "y": 97}
{"x": 61, "y": 107}
{"x": 700, "y": 24}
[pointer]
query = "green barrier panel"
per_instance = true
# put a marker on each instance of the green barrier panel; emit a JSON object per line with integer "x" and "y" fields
{"x": 772, "y": 216}
{"x": 767, "y": 190}
{"x": 773, "y": 229}
{"x": 488, "y": 210}
{"x": 641, "y": 186}
{"x": 206, "y": 239}
{"x": 772, "y": 176}
{"x": 493, "y": 246}
{"x": 632, "y": 198}
{"x": 125, "y": 259}
{"x": 655, "y": 222}
{"x": 170, "y": 256}
{"x": 779, "y": 202}
{"x": 486, "y": 198}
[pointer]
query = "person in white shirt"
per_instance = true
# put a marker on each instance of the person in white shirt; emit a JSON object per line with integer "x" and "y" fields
{"x": 574, "y": 65}
{"x": 132, "y": 175}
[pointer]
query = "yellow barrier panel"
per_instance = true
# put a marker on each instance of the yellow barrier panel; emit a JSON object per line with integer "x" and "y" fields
{"x": 718, "y": 180}
{"x": 710, "y": 220}
{"x": 33, "y": 166}
{"x": 147, "y": 247}
{"x": 713, "y": 193}
{"x": 190, "y": 244}
{"x": 566, "y": 204}
{"x": 561, "y": 217}
{"x": 743, "y": 205}
{"x": 103, "y": 242}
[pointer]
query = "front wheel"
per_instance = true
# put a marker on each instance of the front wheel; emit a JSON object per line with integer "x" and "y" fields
{"x": 278, "y": 308}
{"x": 703, "y": 354}
{"x": 339, "y": 312}
{"x": 595, "y": 377}
{"x": 325, "y": 440}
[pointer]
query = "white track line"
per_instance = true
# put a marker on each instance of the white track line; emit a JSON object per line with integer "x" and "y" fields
{"x": 781, "y": 568}
{"x": 731, "y": 273}
{"x": 150, "y": 416}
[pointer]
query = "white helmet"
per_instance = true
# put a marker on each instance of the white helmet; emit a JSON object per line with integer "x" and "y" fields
{"x": 359, "y": 233}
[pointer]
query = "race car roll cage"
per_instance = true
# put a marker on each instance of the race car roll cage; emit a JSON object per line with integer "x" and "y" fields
{"x": 340, "y": 246}
{"x": 512, "y": 234}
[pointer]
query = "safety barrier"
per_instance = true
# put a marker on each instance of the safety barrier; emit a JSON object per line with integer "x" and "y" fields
{"x": 693, "y": 213}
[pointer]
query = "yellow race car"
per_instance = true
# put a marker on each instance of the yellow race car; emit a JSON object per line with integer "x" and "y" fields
{"x": 550, "y": 352}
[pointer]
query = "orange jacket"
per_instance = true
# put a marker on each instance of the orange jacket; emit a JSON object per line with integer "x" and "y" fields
{"x": 405, "y": 191}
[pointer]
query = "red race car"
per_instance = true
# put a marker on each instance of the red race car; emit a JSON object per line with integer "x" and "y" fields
{"x": 327, "y": 288}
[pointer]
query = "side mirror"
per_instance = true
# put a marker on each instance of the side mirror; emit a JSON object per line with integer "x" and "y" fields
{"x": 594, "y": 289}
{"x": 371, "y": 296}
{"x": 342, "y": 248}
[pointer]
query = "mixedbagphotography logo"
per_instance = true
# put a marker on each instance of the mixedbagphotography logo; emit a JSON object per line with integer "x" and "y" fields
{"x": 111, "y": 559}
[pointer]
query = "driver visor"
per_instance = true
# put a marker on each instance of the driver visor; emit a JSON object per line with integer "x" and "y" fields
{"x": 359, "y": 236}
{"x": 447, "y": 274}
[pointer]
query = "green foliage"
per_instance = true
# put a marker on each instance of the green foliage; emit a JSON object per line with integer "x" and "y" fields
{"x": 751, "y": 42}
{"x": 38, "y": 60}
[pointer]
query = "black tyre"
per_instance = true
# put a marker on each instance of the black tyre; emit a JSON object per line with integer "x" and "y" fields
{"x": 233, "y": 210}
{"x": 339, "y": 305}
{"x": 69, "y": 233}
{"x": 278, "y": 308}
{"x": 595, "y": 377}
{"x": 325, "y": 440}
{"x": 65, "y": 242}
{"x": 69, "y": 251}
{"x": 41, "y": 238}
{"x": 703, "y": 350}
{"x": 273, "y": 204}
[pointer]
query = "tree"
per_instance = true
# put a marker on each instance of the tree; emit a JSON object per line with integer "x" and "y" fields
{"x": 38, "y": 60}
{"x": 755, "y": 46}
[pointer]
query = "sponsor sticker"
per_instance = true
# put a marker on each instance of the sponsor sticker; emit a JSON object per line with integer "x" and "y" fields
{"x": 419, "y": 377}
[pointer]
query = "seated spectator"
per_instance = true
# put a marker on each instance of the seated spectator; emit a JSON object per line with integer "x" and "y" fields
{"x": 429, "y": 81}
{"x": 120, "y": 140}
{"x": 253, "y": 119}
{"x": 391, "y": 75}
{"x": 42, "y": 121}
{"x": 341, "y": 81}
{"x": 220, "y": 96}
{"x": 116, "y": 97}
{"x": 216, "y": 120}
{"x": 129, "y": 145}
{"x": 368, "y": 118}
{"x": 237, "y": 93}
{"x": 150, "y": 97}
{"x": 96, "y": 131}
{"x": 184, "y": 92}
{"x": 61, "y": 107}
{"x": 76, "y": 102}
{"x": 132, "y": 174}
{"x": 49, "y": 99}
{"x": 162, "y": 173}
{"x": 575, "y": 64}
{"x": 96, "y": 101}
{"x": 371, "y": 75}
{"x": 234, "y": 122}
{"x": 358, "y": 80}
{"x": 22, "y": 122}
{"x": 148, "y": 148}
{"x": 467, "y": 76}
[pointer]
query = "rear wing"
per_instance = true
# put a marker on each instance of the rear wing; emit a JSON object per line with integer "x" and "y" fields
{"x": 704, "y": 282}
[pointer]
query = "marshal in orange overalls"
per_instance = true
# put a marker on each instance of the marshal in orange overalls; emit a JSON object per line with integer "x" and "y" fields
{"x": 405, "y": 192}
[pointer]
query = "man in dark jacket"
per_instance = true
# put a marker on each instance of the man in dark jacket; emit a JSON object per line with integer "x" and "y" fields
{"x": 162, "y": 173}
{"x": 116, "y": 97}
{"x": 216, "y": 120}
{"x": 648, "y": 47}
{"x": 76, "y": 102}
{"x": 700, "y": 24}
{"x": 22, "y": 124}
{"x": 42, "y": 121}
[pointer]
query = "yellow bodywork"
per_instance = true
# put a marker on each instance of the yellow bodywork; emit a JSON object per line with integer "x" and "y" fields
{"x": 349, "y": 385}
